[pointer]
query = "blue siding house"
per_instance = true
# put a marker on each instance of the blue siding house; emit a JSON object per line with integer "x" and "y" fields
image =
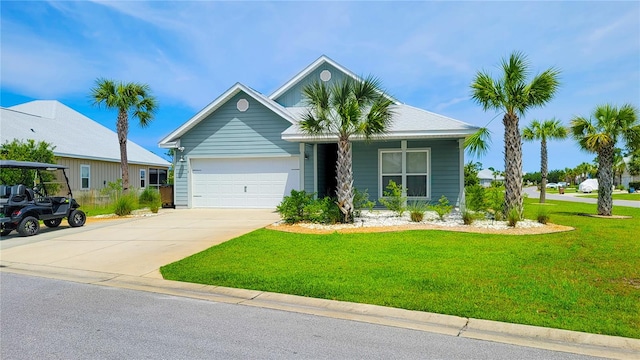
{"x": 245, "y": 150}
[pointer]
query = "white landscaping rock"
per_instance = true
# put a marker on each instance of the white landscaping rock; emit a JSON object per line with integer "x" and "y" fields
{"x": 386, "y": 218}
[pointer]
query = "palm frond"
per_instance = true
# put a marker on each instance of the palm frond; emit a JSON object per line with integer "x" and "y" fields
{"x": 543, "y": 87}
{"x": 311, "y": 124}
{"x": 379, "y": 118}
{"x": 478, "y": 144}
{"x": 486, "y": 92}
{"x": 515, "y": 69}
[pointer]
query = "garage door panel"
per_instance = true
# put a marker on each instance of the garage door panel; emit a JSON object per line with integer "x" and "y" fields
{"x": 243, "y": 183}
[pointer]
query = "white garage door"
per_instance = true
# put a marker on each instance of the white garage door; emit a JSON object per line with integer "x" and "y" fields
{"x": 243, "y": 183}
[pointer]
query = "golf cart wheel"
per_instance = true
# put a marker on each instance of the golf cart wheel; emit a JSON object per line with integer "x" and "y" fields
{"x": 77, "y": 218}
{"x": 52, "y": 223}
{"x": 5, "y": 232}
{"x": 28, "y": 226}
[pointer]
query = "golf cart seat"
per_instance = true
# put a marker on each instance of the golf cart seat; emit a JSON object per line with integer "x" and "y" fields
{"x": 18, "y": 195}
{"x": 5, "y": 192}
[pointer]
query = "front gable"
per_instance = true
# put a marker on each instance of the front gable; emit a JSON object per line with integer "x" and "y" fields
{"x": 233, "y": 130}
{"x": 290, "y": 95}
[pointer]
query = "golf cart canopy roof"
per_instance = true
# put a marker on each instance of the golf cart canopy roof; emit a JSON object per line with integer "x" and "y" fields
{"x": 13, "y": 164}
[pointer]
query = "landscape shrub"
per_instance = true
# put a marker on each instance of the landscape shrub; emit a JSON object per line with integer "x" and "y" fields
{"x": 494, "y": 197}
{"x": 393, "y": 199}
{"x": 125, "y": 204}
{"x": 475, "y": 197}
{"x": 113, "y": 189}
{"x": 361, "y": 201}
{"x": 513, "y": 217}
{"x": 291, "y": 209}
{"x": 323, "y": 211}
{"x": 148, "y": 196}
{"x": 416, "y": 210}
{"x": 542, "y": 215}
{"x": 635, "y": 185}
{"x": 468, "y": 217}
{"x": 443, "y": 208}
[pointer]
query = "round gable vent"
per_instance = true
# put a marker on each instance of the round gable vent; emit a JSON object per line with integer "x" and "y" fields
{"x": 325, "y": 75}
{"x": 242, "y": 105}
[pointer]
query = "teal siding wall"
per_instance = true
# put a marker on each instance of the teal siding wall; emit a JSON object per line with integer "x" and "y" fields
{"x": 445, "y": 176}
{"x": 293, "y": 96}
{"x": 228, "y": 133}
{"x": 308, "y": 168}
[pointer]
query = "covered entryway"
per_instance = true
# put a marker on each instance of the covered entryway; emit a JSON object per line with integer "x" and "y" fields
{"x": 243, "y": 182}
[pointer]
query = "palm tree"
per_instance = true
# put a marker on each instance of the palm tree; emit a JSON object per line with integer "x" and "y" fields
{"x": 619, "y": 166}
{"x": 514, "y": 96}
{"x": 600, "y": 134}
{"x": 348, "y": 107}
{"x": 585, "y": 170}
{"x": 130, "y": 99}
{"x": 543, "y": 131}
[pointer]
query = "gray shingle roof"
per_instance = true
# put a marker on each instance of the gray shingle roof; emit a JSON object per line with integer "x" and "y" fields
{"x": 408, "y": 122}
{"x": 73, "y": 134}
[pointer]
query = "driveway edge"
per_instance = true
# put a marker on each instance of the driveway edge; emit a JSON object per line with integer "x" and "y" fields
{"x": 523, "y": 335}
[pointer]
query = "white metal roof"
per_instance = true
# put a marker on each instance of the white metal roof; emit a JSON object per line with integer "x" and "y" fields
{"x": 73, "y": 134}
{"x": 487, "y": 174}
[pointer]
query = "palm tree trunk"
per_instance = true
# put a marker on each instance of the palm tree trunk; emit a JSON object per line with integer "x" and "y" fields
{"x": 123, "y": 129}
{"x": 543, "y": 170}
{"x": 605, "y": 181}
{"x": 344, "y": 177}
{"x": 513, "y": 164}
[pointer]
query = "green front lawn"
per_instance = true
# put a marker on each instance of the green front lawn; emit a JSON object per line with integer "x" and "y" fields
{"x": 618, "y": 196}
{"x": 584, "y": 280}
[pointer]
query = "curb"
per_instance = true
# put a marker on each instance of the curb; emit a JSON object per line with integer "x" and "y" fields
{"x": 523, "y": 335}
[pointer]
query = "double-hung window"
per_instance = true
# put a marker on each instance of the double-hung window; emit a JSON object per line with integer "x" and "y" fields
{"x": 85, "y": 177}
{"x": 157, "y": 177}
{"x": 408, "y": 168}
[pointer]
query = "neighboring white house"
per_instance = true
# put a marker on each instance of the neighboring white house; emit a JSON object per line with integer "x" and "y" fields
{"x": 486, "y": 176}
{"x": 90, "y": 150}
{"x": 626, "y": 176}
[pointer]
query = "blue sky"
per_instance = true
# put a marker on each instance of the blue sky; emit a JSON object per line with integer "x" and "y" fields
{"x": 425, "y": 53}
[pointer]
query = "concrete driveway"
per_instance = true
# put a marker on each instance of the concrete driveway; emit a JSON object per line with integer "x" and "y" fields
{"x": 133, "y": 246}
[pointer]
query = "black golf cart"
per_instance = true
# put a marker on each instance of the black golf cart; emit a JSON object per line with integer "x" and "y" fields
{"x": 22, "y": 206}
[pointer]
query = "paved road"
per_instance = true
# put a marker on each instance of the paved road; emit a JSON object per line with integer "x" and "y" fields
{"x": 54, "y": 319}
{"x": 533, "y": 192}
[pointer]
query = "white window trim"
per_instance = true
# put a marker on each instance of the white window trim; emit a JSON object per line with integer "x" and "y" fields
{"x": 88, "y": 177}
{"x": 140, "y": 178}
{"x": 403, "y": 150}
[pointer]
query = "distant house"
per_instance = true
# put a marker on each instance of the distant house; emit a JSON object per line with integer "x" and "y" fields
{"x": 245, "y": 149}
{"x": 486, "y": 177}
{"x": 90, "y": 150}
{"x": 626, "y": 176}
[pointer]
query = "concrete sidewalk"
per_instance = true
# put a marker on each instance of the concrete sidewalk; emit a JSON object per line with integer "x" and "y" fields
{"x": 127, "y": 254}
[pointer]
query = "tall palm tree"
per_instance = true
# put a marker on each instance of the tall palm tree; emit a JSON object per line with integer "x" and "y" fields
{"x": 512, "y": 95}
{"x": 130, "y": 99}
{"x": 543, "y": 131}
{"x": 346, "y": 108}
{"x": 600, "y": 134}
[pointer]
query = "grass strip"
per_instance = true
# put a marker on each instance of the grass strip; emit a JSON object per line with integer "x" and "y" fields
{"x": 584, "y": 280}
